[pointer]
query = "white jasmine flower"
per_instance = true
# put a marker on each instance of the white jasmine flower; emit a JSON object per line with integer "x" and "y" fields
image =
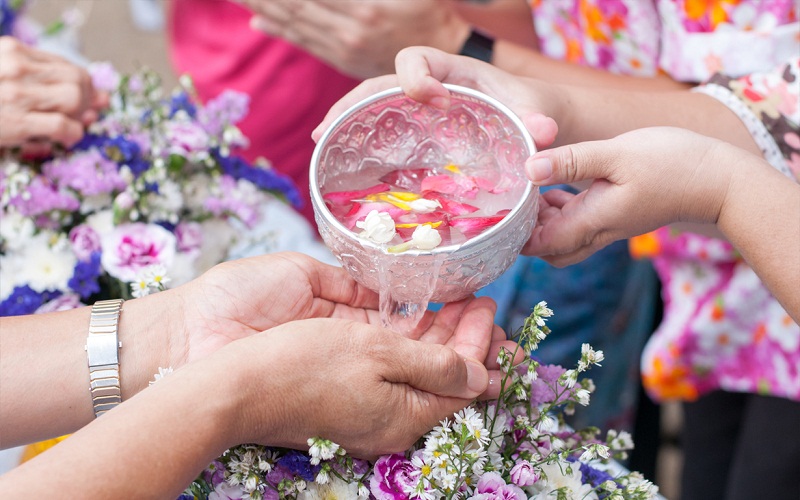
{"x": 377, "y": 227}
{"x": 425, "y": 238}
{"x": 424, "y": 206}
{"x": 322, "y": 477}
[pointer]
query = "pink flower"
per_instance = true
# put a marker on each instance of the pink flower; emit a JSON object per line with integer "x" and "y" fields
{"x": 190, "y": 236}
{"x": 524, "y": 474}
{"x": 185, "y": 138}
{"x": 392, "y": 476}
{"x": 104, "y": 76}
{"x": 492, "y": 487}
{"x": 132, "y": 247}
{"x": 85, "y": 241}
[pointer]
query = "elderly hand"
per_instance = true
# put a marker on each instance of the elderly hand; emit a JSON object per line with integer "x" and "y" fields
{"x": 43, "y": 98}
{"x": 422, "y": 70}
{"x": 239, "y": 298}
{"x": 361, "y": 38}
{"x": 364, "y": 387}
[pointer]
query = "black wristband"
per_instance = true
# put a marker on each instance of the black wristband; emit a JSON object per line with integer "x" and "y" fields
{"x": 478, "y": 46}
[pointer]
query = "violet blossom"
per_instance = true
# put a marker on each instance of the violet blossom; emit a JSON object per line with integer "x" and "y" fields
{"x": 491, "y": 486}
{"x": 85, "y": 241}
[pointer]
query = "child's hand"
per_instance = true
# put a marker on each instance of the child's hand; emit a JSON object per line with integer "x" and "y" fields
{"x": 643, "y": 180}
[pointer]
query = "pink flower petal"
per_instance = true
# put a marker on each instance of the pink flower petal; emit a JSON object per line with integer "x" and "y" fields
{"x": 473, "y": 226}
{"x": 443, "y": 184}
{"x": 345, "y": 197}
{"x": 452, "y": 207}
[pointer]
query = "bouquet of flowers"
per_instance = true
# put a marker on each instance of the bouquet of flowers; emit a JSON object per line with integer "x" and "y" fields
{"x": 516, "y": 447}
{"x": 153, "y": 187}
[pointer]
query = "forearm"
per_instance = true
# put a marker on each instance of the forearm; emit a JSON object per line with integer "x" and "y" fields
{"x": 590, "y": 114}
{"x": 152, "y": 446}
{"x": 44, "y": 368}
{"x": 761, "y": 218}
{"x": 525, "y": 61}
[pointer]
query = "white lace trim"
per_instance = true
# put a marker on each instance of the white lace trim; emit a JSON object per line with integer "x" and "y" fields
{"x": 766, "y": 143}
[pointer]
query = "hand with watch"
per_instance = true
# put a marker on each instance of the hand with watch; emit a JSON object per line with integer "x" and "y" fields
{"x": 241, "y": 339}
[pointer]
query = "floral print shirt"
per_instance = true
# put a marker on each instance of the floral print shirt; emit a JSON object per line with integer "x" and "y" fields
{"x": 687, "y": 39}
{"x": 722, "y": 329}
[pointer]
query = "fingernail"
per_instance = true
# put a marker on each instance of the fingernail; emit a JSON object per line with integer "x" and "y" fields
{"x": 477, "y": 376}
{"x": 540, "y": 169}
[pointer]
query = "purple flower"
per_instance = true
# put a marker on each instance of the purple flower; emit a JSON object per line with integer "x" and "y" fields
{"x": 190, "y": 236}
{"x": 228, "y": 108}
{"x": 42, "y": 197}
{"x": 492, "y": 487}
{"x": 524, "y": 474}
{"x": 84, "y": 277}
{"x": 265, "y": 178}
{"x": 85, "y": 241}
{"x": 299, "y": 464}
{"x": 393, "y": 475}
{"x": 87, "y": 172}
{"x": 104, "y": 76}
{"x": 230, "y": 202}
{"x": 543, "y": 389}
{"x": 130, "y": 248}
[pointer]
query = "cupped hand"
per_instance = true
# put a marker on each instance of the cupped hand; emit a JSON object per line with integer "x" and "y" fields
{"x": 43, "y": 98}
{"x": 361, "y": 38}
{"x": 642, "y": 180}
{"x": 421, "y": 71}
{"x": 366, "y": 388}
{"x": 240, "y": 298}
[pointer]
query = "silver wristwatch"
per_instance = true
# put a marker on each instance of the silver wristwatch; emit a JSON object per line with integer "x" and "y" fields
{"x": 102, "y": 348}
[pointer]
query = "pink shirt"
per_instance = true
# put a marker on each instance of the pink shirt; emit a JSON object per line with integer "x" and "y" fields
{"x": 290, "y": 90}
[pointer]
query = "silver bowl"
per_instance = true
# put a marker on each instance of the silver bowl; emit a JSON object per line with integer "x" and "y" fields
{"x": 390, "y": 131}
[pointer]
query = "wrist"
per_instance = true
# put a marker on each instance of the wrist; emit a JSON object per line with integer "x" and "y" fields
{"x": 148, "y": 328}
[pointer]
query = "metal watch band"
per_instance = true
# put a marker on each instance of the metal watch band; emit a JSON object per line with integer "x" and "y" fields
{"x": 478, "y": 46}
{"x": 102, "y": 348}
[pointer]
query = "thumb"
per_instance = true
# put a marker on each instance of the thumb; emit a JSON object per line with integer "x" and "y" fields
{"x": 568, "y": 164}
{"x": 438, "y": 370}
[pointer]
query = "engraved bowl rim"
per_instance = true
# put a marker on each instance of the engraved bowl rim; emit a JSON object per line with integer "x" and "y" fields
{"x": 318, "y": 203}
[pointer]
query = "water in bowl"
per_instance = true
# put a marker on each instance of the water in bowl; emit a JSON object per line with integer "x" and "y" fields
{"x": 458, "y": 203}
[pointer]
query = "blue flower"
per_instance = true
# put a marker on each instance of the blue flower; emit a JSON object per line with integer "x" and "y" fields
{"x": 25, "y": 300}
{"x": 182, "y": 102}
{"x": 593, "y": 476}
{"x": 90, "y": 141}
{"x": 8, "y": 17}
{"x": 84, "y": 277}
{"x": 299, "y": 464}
{"x": 265, "y": 178}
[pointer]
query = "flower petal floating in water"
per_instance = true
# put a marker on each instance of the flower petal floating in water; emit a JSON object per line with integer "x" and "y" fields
{"x": 473, "y": 226}
{"x": 452, "y": 207}
{"x": 345, "y": 197}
